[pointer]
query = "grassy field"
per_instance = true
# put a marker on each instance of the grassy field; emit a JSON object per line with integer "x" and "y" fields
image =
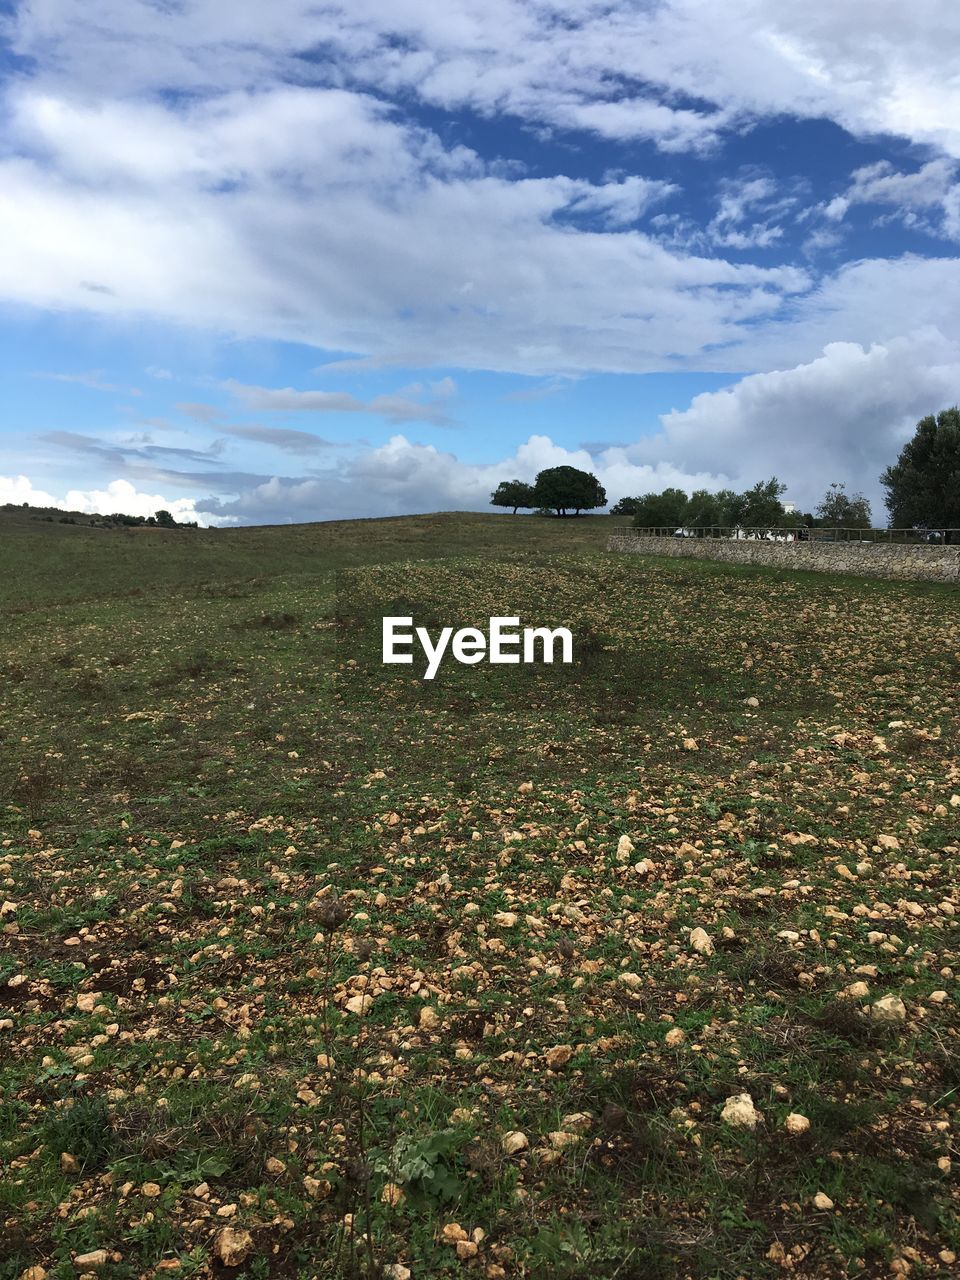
{"x": 310, "y": 968}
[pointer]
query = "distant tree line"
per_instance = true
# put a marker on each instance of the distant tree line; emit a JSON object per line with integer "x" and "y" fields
{"x": 161, "y": 519}
{"x": 922, "y": 492}
{"x": 760, "y": 506}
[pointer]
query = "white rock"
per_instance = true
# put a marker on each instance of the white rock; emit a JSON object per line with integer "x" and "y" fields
{"x": 856, "y": 991}
{"x": 359, "y": 1005}
{"x": 95, "y": 1258}
{"x": 233, "y": 1245}
{"x": 889, "y": 1009}
{"x": 795, "y": 1123}
{"x": 740, "y": 1112}
{"x": 560, "y": 1139}
{"x": 822, "y": 1201}
{"x": 624, "y": 849}
{"x": 701, "y": 942}
{"x": 514, "y": 1141}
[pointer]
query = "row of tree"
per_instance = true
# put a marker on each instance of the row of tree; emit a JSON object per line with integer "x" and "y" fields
{"x": 159, "y": 520}
{"x": 923, "y": 491}
{"x": 760, "y": 506}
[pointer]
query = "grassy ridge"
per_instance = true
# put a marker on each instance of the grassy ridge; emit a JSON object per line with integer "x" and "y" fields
{"x": 42, "y": 562}
{"x": 350, "y": 973}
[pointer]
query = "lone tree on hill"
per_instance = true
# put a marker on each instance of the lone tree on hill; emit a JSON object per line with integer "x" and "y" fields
{"x": 513, "y": 493}
{"x": 562, "y": 489}
{"x": 923, "y": 485}
{"x": 839, "y": 511}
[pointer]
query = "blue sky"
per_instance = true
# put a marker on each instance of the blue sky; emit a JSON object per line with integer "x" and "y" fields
{"x": 299, "y": 262}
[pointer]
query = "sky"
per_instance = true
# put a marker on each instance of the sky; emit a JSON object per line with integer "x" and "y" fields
{"x": 307, "y": 261}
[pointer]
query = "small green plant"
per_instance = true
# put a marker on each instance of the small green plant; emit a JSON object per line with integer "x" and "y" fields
{"x": 426, "y": 1166}
{"x": 82, "y": 1129}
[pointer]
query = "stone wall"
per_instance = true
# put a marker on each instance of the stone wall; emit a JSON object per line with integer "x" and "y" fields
{"x": 871, "y": 559}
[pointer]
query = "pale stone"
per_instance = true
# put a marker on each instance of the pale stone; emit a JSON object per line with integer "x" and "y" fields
{"x": 559, "y": 1056}
{"x": 889, "y": 1009}
{"x": 95, "y": 1258}
{"x": 359, "y": 1005}
{"x": 233, "y": 1245}
{"x": 822, "y": 1201}
{"x": 856, "y": 991}
{"x": 514, "y": 1141}
{"x": 795, "y": 1123}
{"x": 560, "y": 1139}
{"x": 740, "y": 1112}
{"x": 701, "y": 942}
{"x": 317, "y": 1188}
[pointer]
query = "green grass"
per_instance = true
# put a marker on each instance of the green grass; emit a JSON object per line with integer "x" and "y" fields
{"x": 222, "y": 819}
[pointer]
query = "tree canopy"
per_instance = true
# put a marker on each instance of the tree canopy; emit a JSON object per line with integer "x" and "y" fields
{"x": 563, "y": 489}
{"x": 513, "y": 493}
{"x": 838, "y": 510}
{"x": 664, "y": 508}
{"x": 625, "y": 507}
{"x": 923, "y": 485}
{"x": 759, "y": 506}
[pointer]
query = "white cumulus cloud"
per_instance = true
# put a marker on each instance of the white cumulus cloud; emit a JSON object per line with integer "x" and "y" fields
{"x": 119, "y": 496}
